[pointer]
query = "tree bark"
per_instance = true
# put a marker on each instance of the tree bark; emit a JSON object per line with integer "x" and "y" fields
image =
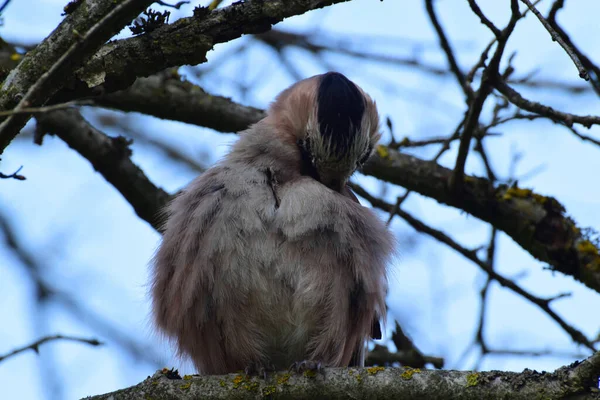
{"x": 577, "y": 381}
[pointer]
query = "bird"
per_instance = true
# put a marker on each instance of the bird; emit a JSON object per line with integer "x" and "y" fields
{"x": 267, "y": 259}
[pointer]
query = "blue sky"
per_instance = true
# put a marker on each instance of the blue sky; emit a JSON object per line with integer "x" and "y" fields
{"x": 94, "y": 247}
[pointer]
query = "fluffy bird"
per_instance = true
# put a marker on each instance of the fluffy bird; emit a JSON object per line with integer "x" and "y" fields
{"x": 268, "y": 259}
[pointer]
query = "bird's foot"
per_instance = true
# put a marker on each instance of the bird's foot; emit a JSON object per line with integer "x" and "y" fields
{"x": 307, "y": 367}
{"x": 259, "y": 369}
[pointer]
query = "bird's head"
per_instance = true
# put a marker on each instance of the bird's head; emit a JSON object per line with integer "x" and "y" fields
{"x": 333, "y": 123}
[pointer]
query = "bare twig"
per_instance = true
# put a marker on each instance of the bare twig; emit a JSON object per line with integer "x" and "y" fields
{"x": 35, "y": 345}
{"x": 536, "y": 353}
{"x": 574, "y": 381}
{"x": 568, "y": 119}
{"x": 558, "y": 38}
{"x": 396, "y": 207}
{"x": 317, "y": 45}
{"x": 380, "y": 355}
{"x": 177, "y": 6}
{"x": 585, "y": 138}
{"x": 445, "y": 44}
{"x": 320, "y": 43}
{"x": 14, "y": 175}
{"x": 407, "y": 142}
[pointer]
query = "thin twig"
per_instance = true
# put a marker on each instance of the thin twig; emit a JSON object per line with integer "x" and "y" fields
{"x": 558, "y": 38}
{"x": 568, "y": 119}
{"x": 593, "y": 69}
{"x": 381, "y": 355}
{"x": 484, "y": 53}
{"x": 35, "y": 345}
{"x": 40, "y": 110}
{"x": 536, "y": 353}
{"x": 581, "y": 136}
{"x": 484, "y": 294}
{"x": 484, "y": 20}
{"x": 175, "y": 6}
{"x": 445, "y": 44}
{"x": 399, "y": 202}
{"x": 3, "y": 6}
{"x": 14, "y": 175}
{"x": 476, "y": 106}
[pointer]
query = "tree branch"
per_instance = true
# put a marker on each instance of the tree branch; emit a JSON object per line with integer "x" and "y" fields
{"x": 14, "y": 175}
{"x": 45, "y": 69}
{"x": 556, "y": 37}
{"x": 117, "y": 64}
{"x": 445, "y": 45}
{"x": 578, "y": 380}
{"x": 475, "y": 106}
{"x": 517, "y": 99}
{"x": 35, "y": 345}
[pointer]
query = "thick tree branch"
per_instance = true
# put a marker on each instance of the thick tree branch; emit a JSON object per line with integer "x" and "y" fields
{"x": 116, "y": 65}
{"x": 593, "y": 69}
{"x": 109, "y": 156}
{"x": 556, "y": 37}
{"x": 537, "y": 223}
{"x": 45, "y": 69}
{"x": 14, "y": 175}
{"x": 445, "y": 44}
{"x": 578, "y": 380}
{"x": 166, "y": 96}
{"x": 381, "y": 355}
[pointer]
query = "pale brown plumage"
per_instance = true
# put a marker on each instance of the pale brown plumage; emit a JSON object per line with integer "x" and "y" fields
{"x": 267, "y": 258}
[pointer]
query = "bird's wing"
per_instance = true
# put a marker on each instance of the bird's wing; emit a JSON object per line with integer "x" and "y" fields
{"x": 346, "y": 249}
{"x": 358, "y": 357}
{"x": 196, "y": 287}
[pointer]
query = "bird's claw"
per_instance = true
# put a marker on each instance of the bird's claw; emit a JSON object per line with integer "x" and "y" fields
{"x": 259, "y": 369}
{"x": 307, "y": 366}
